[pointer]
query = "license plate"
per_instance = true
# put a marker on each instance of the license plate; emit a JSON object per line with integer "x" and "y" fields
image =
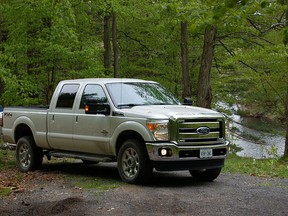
{"x": 206, "y": 153}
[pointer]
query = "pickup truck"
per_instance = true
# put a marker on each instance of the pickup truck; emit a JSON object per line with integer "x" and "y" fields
{"x": 136, "y": 123}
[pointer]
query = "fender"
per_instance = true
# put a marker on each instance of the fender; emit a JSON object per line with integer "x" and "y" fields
{"x": 26, "y": 121}
{"x": 38, "y": 135}
{"x": 130, "y": 126}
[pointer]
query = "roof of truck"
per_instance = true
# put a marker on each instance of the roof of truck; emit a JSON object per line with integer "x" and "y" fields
{"x": 108, "y": 80}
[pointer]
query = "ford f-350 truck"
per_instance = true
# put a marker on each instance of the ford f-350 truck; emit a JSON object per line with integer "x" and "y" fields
{"x": 137, "y": 123}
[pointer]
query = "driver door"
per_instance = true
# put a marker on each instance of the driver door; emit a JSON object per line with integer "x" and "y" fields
{"x": 91, "y": 132}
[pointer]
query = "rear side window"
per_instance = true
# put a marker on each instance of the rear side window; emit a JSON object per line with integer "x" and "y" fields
{"x": 67, "y": 96}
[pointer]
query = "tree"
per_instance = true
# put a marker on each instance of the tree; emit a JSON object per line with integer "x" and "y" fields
{"x": 115, "y": 44}
{"x": 204, "y": 91}
{"x": 44, "y": 44}
{"x": 285, "y": 40}
{"x": 107, "y": 43}
{"x": 243, "y": 62}
{"x": 185, "y": 60}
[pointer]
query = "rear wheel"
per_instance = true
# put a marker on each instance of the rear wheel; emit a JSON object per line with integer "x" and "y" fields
{"x": 207, "y": 175}
{"x": 134, "y": 166}
{"x": 28, "y": 156}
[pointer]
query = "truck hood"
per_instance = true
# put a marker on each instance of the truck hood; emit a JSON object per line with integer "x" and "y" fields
{"x": 169, "y": 111}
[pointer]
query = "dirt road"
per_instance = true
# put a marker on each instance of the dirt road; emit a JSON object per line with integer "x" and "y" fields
{"x": 169, "y": 194}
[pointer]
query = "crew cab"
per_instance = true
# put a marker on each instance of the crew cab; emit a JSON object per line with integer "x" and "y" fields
{"x": 135, "y": 122}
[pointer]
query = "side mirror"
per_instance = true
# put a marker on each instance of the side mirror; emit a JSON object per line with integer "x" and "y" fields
{"x": 187, "y": 101}
{"x": 94, "y": 106}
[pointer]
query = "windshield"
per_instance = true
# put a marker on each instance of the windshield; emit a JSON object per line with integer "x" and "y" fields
{"x": 138, "y": 94}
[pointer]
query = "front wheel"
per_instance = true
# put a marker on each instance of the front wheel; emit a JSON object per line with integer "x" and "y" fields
{"x": 28, "y": 156}
{"x": 134, "y": 166}
{"x": 207, "y": 175}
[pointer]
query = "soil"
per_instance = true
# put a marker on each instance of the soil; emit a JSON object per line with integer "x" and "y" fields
{"x": 46, "y": 192}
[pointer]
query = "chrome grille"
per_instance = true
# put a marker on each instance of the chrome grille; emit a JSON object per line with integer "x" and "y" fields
{"x": 187, "y": 131}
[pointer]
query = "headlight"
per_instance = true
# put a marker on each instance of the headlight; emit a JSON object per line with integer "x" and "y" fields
{"x": 159, "y": 129}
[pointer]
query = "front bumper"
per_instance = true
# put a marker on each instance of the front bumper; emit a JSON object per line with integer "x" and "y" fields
{"x": 185, "y": 153}
{"x": 186, "y": 157}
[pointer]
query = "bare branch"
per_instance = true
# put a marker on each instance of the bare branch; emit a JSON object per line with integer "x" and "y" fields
{"x": 226, "y": 48}
{"x": 134, "y": 39}
{"x": 254, "y": 25}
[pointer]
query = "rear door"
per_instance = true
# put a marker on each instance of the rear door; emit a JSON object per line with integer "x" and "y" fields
{"x": 61, "y": 118}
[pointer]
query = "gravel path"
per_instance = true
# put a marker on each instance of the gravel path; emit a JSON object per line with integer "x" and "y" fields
{"x": 170, "y": 194}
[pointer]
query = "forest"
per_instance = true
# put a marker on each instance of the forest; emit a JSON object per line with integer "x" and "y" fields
{"x": 213, "y": 51}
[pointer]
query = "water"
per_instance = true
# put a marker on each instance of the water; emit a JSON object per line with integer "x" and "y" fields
{"x": 255, "y": 143}
{"x": 263, "y": 145}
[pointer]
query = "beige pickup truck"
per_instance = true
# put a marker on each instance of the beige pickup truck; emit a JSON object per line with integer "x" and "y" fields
{"x": 137, "y": 123}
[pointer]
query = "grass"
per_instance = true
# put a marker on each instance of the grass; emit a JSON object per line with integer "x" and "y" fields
{"x": 257, "y": 167}
{"x": 7, "y": 159}
{"x": 99, "y": 183}
{"x": 7, "y": 163}
{"x": 5, "y": 191}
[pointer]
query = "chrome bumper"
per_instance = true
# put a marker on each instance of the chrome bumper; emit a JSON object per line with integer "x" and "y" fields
{"x": 185, "y": 153}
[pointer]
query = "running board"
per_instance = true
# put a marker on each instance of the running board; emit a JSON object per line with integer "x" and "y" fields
{"x": 82, "y": 156}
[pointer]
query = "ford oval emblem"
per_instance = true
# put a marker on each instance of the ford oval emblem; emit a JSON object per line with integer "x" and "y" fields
{"x": 203, "y": 130}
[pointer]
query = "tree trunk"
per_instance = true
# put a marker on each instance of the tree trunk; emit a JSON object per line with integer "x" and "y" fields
{"x": 1, "y": 41}
{"x": 51, "y": 82}
{"x": 204, "y": 92}
{"x": 107, "y": 45}
{"x": 1, "y": 37}
{"x": 286, "y": 101}
{"x": 115, "y": 45}
{"x": 185, "y": 60}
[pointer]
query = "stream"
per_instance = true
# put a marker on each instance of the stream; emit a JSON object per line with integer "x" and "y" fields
{"x": 255, "y": 143}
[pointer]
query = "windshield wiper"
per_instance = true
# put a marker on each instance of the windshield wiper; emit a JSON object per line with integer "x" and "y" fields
{"x": 160, "y": 104}
{"x": 128, "y": 105}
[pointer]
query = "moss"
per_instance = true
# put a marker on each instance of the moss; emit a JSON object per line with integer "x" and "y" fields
{"x": 5, "y": 191}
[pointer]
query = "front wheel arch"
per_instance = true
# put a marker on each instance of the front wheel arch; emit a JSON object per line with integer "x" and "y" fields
{"x": 126, "y": 135}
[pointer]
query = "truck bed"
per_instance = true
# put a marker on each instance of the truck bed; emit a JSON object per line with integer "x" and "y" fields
{"x": 33, "y": 116}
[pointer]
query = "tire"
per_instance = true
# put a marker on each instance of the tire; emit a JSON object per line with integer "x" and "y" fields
{"x": 28, "y": 156}
{"x": 207, "y": 175}
{"x": 134, "y": 166}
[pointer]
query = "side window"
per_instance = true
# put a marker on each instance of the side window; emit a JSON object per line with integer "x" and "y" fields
{"x": 67, "y": 96}
{"x": 95, "y": 92}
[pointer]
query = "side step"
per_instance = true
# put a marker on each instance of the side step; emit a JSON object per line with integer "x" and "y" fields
{"x": 82, "y": 156}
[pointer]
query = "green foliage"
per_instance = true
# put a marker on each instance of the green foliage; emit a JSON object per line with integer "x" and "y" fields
{"x": 47, "y": 41}
{"x": 7, "y": 159}
{"x": 252, "y": 63}
{"x": 256, "y": 167}
{"x": 5, "y": 191}
{"x": 44, "y": 44}
{"x": 95, "y": 183}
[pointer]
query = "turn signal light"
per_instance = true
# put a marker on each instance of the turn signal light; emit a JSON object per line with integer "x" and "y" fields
{"x": 86, "y": 108}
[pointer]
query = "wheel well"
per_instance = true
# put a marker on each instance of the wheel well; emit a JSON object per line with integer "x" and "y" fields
{"x": 22, "y": 130}
{"x": 125, "y": 136}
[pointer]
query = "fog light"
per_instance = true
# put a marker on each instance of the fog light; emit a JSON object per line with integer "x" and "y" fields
{"x": 165, "y": 152}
